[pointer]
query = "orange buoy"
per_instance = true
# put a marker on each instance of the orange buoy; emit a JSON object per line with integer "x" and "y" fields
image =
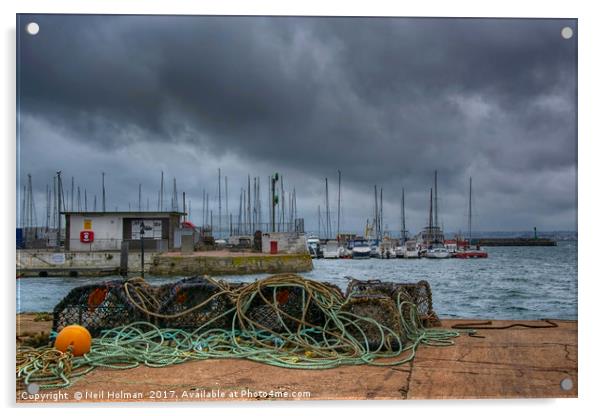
{"x": 75, "y": 336}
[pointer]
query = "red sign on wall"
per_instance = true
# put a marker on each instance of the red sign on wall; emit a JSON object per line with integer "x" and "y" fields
{"x": 86, "y": 236}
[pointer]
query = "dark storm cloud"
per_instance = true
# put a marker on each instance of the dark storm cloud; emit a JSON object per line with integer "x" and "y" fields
{"x": 386, "y": 100}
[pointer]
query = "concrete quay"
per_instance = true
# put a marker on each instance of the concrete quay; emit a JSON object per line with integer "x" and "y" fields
{"x": 508, "y": 363}
{"x": 43, "y": 263}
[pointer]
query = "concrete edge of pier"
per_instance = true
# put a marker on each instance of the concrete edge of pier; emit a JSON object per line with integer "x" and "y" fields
{"x": 215, "y": 263}
{"x": 516, "y": 362}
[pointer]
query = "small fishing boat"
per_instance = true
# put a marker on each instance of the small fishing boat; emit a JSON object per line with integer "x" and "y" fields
{"x": 313, "y": 246}
{"x": 411, "y": 250}
{"x": 360, "y": 250}
{"x": 345, "y": 253}
{"x": 451, "y": 245}
{"x": 465, "y": 251}
{"x": 386, "y": 249}
{"x": 437, "y": 251}
{"x": 399, "y": 251}
{"x": 331, "y": 250}
{"x": 374, "y": 249}
{"x": 472, "y": 253}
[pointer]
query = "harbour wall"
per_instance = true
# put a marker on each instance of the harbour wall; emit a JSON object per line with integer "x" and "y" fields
{"x": 516, "y": 242}
{"x": 42, "y": 263}
{"x": 185, "y": 265}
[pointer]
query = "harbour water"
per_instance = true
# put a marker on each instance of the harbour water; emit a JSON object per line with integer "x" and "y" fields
{"x": 513, "y": 283}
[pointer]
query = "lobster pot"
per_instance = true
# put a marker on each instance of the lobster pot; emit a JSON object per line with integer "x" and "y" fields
{"x": 280, "y": 309}
{"x": 373, "y": 320}
{"x": 419, "y": 294}
{"x": 97, "y": 307}
{"x": 194, "y": 303}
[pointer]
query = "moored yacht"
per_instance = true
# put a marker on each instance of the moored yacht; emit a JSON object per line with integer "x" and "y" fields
{"x": 331, "y": 250}
{"x": 471, "y": 253}
{"x": 386, "y": 249}
{"x": 466, "y": 251}
{"x": 411, "y": 250}
{"x": 437, "y": 251}
{"x": 313, "y": 246}
{"x": 399, "y": 251}
{"x": 360, "y": 250}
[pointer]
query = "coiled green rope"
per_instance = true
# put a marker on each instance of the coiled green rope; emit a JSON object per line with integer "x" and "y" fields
{"x": 341, "y": 340}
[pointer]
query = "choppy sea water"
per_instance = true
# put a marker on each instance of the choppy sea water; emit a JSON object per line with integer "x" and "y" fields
{"x": 513, "y": 283}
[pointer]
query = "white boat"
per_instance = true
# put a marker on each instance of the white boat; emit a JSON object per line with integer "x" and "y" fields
{"x": 331, "y": 250}
{"x": 411, "y": 250}
{"x": 468, "y": 252}
{"x": 438, "y": 252}
{"x": 345, "y": 253}
{"x": 313, "y": 246}
{"x": 360, "y": 250}
{"x": 451, "y": 246}
{"x": 399, "y": 252}
{"x": 386, "y": 249}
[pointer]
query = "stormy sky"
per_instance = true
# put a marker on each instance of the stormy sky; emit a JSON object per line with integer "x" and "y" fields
{"x": 386, "y": 100}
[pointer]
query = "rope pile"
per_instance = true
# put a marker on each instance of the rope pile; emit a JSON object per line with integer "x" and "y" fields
{"x": 283, "y": 320}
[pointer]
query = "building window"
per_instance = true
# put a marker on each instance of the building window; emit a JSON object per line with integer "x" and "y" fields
{"x": 152, "y": 229}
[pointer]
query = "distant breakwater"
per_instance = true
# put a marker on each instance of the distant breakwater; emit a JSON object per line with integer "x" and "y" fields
{"x": 545, "y": 242}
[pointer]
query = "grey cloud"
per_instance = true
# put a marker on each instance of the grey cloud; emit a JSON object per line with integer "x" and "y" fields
{"x": 386, "y": 100}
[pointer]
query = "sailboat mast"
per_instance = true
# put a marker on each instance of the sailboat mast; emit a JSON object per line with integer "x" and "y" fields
{"x": 161, "y": 190}
{"x": 380, "y": 216}
{"x": 174, "y": 197}
{"x": 327, "y": 213}
{"x": 104, "y": 201}
{"x": 403, "y": 215}
{"x": 436, "y": 220}
{"x": 470, "y": 210}
{"x": 339, "y": 208}
{"x": 72, "y": 193}
{"x": 240, "y": 202}
{"x": 219, "y": 201}
{"x": 47, "y": 207}
{"x": 431, "y": 213}
{"x": 60, "y": 203}
{"x": 282, "y": 201}
{"x": 375, "y": 225}
{"x": 319, "y": 222}
{"x": 54, "y": 202}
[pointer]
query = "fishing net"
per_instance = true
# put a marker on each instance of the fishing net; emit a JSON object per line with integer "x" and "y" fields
{"x": 186, "y": 304}
{"x": 279, "y": 306}
{"x": 375, "y": 312}
{"x": 97, "y": 307}
{"x": 195, "y": 302}
{"x": 418, "y": 294}
{"x": 272, "y": 305}
{"x": 283, "y": 320}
